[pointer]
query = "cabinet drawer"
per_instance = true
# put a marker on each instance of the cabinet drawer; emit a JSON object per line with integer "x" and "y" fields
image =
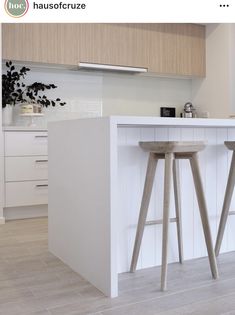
{"x": 26, "y": 193}
{"x": 25, "y": 143}
{"x": 26, "y": 168}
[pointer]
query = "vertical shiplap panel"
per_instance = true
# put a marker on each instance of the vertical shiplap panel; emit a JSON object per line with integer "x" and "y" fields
{"x": 122, "y": 237}
{"x": 199, "y": 241}
{"x": 132, "y": 161}
{"x": 211, "y": 177}
{"x": 231, "y": 218}
{"x": 174, "y": 135}
{"x": 221, "y": 180}
{"x": 148, "y": 248}
{"x": 187, "y": 134}
{"x": 133, "y": 191}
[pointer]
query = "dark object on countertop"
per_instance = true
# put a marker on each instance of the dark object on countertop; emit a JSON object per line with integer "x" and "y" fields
{"x": 167, "y": 111}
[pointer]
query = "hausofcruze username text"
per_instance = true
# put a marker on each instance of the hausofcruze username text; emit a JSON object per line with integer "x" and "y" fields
{"x": 58, "y": 6}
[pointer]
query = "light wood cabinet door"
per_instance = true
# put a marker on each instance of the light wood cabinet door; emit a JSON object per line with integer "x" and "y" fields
{"x": 177, "y": 49}
{"x": 169, "y": 49}
{"x": 115, "y": 44}
{"x": 45, "y": 43}
{"x": 198, "y": 50}
{"x": 191, "y": 49}
{"x": 162, "y": 49}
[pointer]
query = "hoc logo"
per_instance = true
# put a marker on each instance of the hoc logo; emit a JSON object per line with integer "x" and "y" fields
{"x": 16, "y": 8}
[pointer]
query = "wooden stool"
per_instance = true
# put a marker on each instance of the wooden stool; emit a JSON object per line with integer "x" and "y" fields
{"x": 227, "y": 198}
{"x": 172, "y": 151}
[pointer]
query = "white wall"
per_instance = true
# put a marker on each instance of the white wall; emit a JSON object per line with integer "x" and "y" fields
{"x": 1, "y": 147}
{"x": 88, "y": 94}
{"x": 215, "y": 93}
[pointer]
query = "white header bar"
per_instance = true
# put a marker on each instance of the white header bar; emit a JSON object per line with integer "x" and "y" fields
{"x": 127, "y": 11}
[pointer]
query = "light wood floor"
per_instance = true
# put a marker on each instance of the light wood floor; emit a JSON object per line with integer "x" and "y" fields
{"x": 33, "y": 281}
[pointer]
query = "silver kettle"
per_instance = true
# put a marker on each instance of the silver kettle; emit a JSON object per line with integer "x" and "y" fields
{"x": 189, "y": 111}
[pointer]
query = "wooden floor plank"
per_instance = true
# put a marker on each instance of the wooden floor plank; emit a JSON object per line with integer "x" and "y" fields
{"x": 34, "y": 282}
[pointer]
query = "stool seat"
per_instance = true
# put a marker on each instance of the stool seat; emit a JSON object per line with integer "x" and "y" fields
{"x": 171, "y": 152}
{"x": 230, "y": 145}
{"x": 163, "y": 147}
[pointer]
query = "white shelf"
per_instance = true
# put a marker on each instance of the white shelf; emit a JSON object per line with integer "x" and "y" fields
{"x": 32, "y": 115}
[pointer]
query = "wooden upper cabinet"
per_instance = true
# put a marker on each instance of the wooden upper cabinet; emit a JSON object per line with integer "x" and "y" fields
{"x": 169, "y": 49}
{"x": 67, "y": 35}
{"x": 198, "y": 51}
{"x": 114, "y": 44}
{"x": 177, "y": 49}
{"x": 162, "y": 49}
{"x": 45, "y": 43}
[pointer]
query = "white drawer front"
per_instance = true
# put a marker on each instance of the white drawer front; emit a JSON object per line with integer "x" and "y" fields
{"x": 26, "y": 193}
{"x": 26, "y": 168}
{"x": 25, "y": 143}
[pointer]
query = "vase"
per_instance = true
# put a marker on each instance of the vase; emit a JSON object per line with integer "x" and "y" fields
{"x": 30, "y": 108}
{"x": 7, "y": 113}
{"x": 26, "y": 109}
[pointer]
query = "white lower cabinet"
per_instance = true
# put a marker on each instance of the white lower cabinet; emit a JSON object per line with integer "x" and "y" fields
{"x": 26, "y": 193}
{"x": 25, "y": 143}
{"x": 26, "y": 168}
{"x": 21, "y": 168}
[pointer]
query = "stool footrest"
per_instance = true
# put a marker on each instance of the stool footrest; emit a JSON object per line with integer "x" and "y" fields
{"x": 160, "y": 221}
{"x": 231, "y": 213}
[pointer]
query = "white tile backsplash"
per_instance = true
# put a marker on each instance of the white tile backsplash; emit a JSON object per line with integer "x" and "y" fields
{"x": 143, "y": 96}
{"x": 86, "y": 107}
{"x": 92, "y": 94}
{"x": 81, "y": 92}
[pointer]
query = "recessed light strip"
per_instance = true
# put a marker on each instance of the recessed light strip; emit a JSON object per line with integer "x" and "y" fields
{"x": 104, "y": 67}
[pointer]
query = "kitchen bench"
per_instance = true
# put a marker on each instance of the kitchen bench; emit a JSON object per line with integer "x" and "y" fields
{"x": 96, "y": 175}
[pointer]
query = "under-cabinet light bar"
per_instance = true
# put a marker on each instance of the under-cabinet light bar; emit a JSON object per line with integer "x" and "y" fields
{"x": 103, "y": 67}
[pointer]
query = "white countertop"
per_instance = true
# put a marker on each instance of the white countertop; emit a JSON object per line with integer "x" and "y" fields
{"x": 146, "y": 121}
{"x": 162, "y": 121}
{"x": 23, "y": 128}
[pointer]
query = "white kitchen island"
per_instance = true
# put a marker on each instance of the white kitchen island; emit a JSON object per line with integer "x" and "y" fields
{"x": 96, "y": 177}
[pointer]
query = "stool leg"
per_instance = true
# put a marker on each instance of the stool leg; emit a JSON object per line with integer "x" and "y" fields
{"x": 226, "y": 205}
{"x": 149, "y": 179}
{"x": 176, "y": 181}
{"x": 166, "y": 211}
{"x": 203, "y": 213}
